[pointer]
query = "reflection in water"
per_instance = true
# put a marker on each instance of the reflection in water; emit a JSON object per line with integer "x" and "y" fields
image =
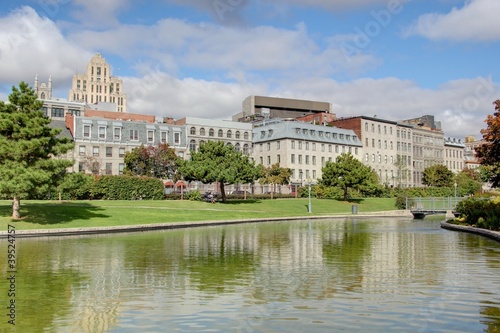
{"x": 322, "y": 276}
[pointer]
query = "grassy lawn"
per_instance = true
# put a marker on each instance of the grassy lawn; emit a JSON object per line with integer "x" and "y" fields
{"x": 81, "y": 214}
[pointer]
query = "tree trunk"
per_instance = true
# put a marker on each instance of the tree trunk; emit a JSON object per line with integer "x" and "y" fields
{"x": 222, "y": 191}
{"x": 16, "y": 206}
{"x": 345, "y": 193}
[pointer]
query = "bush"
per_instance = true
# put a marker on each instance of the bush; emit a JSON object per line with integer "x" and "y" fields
{"x": 194, "y": 195}
{"x": 402, "y": 201}
{"x": 481, "y": 212}
{"x": 76, "y": 186}
{"x": 127, "y": 188}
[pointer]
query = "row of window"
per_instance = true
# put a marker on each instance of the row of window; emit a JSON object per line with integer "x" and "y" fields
{"x": 454, "y": 153}
{"x": 454, "y": 165}
{"x": 321, "y": 134}
{"x": 96, "y": 168}
{"x": 133, "y": 134}
{"x": 220, "y": 133}
{"x": 379, "y": 129}
{"x": 82, "y": 151}
{"x": 245, "y": 149}
{"x": 312, "y": 146}
{"x": 59, "y": 111}
{"x": 301, "y": 175}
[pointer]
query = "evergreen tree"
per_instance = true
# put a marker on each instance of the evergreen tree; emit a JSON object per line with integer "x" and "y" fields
{"x": 30, "y": 152}
{"x": 217, "y": 162}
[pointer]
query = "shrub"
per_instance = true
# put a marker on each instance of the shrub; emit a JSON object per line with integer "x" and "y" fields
{"x": 402, "y": 201}
{"x": 127, "y": 188}
{"x": 194, "y": 195}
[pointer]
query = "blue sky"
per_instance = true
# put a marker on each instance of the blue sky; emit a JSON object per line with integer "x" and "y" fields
{"x": 396, "y": 59}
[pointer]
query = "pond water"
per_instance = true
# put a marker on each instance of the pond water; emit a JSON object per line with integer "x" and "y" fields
{"x": 352, "y": 275}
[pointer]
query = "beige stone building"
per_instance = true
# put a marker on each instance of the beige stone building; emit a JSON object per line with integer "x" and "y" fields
{"x": 454, "y": 154}
{"x": 97, "y": 85}
{"x": 387, "y": 147}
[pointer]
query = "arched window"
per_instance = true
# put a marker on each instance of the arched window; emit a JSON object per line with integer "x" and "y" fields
{"x": 202, "y": 131}
{"x": 245, "y": 136}
{"x": 211, "y": 132}
{"x": 220, "y": 134}
{"x": 237, "y": 147}
{"x": 245, "y": 149}
{"x": 202, "y": 142}
{"x": 192, "y": 145}
{"x": 193, "y": 131}
{"x": 237, "y": 135}
{"x": 229, "y": 134}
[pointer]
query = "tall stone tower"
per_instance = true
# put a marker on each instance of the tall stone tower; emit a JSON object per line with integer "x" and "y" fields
{"x": 97, "y": 86}
{"x": 43, "y": 90}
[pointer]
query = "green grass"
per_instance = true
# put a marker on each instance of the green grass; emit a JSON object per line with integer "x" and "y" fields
{"x": 81, "y": 214}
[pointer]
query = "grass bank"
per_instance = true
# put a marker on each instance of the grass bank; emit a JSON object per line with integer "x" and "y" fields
{"x": 82, "y": 214}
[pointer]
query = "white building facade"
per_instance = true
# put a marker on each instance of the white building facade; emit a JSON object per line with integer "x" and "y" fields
{"x": 304, "y": 148}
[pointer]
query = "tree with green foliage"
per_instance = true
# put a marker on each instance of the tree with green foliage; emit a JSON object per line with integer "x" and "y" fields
{"x": 468, "y": 182}
{"x": 489, "y": 152}
{"x": 437, "y": 175}
{"x": 159, "y": 162}
{"x": 347, "y": 172}
{"x": 217, "y": 162}
{"x": 30, "y": 151}
{"x": 275, "y": 175}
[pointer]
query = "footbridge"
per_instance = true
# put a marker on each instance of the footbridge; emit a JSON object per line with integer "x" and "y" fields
{"x": 420, "y": 207}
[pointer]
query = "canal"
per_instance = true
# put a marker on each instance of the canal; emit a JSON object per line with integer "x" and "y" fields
{"x": 341, "y": 275}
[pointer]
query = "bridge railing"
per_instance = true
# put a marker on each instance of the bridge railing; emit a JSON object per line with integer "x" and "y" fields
{"x": 433, "y": 203}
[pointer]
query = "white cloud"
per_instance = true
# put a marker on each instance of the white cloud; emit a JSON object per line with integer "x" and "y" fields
{"x": 30, "y": 45}
{"x": 460, "y": 105}
{"x": 234, "y": 63}
{"x": 98, "y": 13}
{"x": 329, "y": 4}
{"x": 477, "y": 20}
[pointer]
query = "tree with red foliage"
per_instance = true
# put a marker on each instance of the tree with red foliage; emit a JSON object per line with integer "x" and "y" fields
{"x": 159, "y": 162}
{"x": 489, "y": 153}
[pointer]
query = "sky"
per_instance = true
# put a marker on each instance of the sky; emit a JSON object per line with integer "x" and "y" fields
{"x": 394, "y": 59}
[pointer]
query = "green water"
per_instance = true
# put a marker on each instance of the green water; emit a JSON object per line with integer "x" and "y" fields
{"x": 364, "y": 275}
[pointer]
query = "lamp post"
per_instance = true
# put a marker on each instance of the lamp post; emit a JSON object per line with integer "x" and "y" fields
{"x": 309, "y": 207}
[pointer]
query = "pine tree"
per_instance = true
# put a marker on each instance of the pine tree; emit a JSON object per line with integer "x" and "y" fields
{"x": 30, "y": 152}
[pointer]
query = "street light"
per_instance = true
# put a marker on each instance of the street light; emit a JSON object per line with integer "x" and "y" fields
{"x": 309, "y": 207}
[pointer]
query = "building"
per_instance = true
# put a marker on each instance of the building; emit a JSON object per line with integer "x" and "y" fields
{"x": 302, "y": 147}
{"x": 101, "y": 142}
{"x": 43, "y": 90}
{"x": 386, "y": 147}
{"x": 56, "y": 109}
{"x": 454, "y": 154}
{"x": 428, "y": 150}
{"x": 97, "y": 85}
{"x": 259, "y": 107}
{"x": 471, "y": 161}
{"x": 201, "y": 130}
